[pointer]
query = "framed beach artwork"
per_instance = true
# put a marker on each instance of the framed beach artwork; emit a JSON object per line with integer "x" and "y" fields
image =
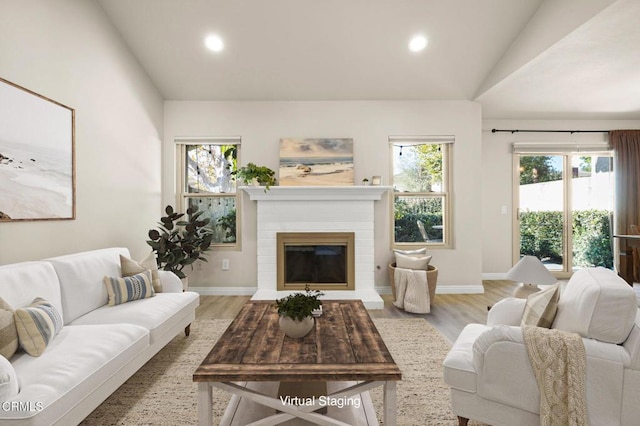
{"x": 37, "y": 170}
{"x": 316, "y": 161}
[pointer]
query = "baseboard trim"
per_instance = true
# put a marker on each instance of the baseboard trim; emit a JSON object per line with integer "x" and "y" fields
{"x": 224, "y": 291}
{"x": 494, "y": 276}
{"x": 383, "y": 290}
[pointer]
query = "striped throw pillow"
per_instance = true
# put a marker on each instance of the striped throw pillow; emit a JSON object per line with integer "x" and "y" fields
{"x": 37, "y": 325}
{"x": 8, "y": 332}
{"x": 126, "y": 289}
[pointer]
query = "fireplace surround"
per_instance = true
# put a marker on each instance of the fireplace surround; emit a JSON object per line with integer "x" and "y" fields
{"x": 317, "y": 209}
{"x": 317, "y": 260}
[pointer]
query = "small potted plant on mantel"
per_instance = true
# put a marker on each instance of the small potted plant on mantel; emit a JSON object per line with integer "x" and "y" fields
{"x": 178, "y": 243}
{"x": 252, "y": 174}
{"x": 296, "y": 312}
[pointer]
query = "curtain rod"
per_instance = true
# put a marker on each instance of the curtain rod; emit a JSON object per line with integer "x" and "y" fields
{"x": 547, "y": 131}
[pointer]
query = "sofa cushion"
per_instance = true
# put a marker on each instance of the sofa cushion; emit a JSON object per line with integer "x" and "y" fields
{"x": 157, "y": 314}
{"x": 37, "y": 325}
{"x": 79, "y": 360}
{"x": 597, "y": 304}
{"x": 541, "y": 307}
{"x": 126, "y": 289}
{"x": 81, "y": 276}
{"x": 8, "y": 332}
{"x": 20, "y": 283}
{"x": 131, "y": 267}
{"x": 8, "y": 380}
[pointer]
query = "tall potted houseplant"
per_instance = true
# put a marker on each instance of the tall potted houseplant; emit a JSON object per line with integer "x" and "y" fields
{"x": 178, "y": 242}
{"x": 295, "y": 310}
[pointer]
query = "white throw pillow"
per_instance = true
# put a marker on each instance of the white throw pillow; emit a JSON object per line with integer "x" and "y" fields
{"x": 8, "y": 380}
{"x": 131, "y": 267}
{"x": 412, "y": 262}
{"x": 410, "y": 252}
{"x": 541, "y": 307}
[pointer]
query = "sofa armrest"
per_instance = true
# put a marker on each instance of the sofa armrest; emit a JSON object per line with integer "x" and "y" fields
{"x": 504, "y": 374}
{"x": 170, "y": 282}
{"x": 506, "y": 312}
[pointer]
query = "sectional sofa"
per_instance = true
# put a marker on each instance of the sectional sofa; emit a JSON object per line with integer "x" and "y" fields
{"x": 98, "y": 346}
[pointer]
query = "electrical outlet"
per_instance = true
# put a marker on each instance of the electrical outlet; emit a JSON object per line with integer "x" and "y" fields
{"x": 225, "y": 264}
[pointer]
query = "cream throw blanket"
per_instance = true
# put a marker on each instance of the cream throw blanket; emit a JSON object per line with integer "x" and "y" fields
{"x": 559, "y": 362}
{"x": 412, "y": 292}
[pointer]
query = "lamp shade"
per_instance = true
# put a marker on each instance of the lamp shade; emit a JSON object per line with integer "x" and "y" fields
{"x": 530, "y": 270}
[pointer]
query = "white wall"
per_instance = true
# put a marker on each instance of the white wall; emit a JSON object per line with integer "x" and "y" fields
{"x": 68, "y": 51}
{"x": 369, "y": 123}
{"x": 497, "y": 177}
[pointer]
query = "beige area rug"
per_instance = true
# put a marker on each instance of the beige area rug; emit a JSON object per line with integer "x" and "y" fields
{"x": 163, "y": 393}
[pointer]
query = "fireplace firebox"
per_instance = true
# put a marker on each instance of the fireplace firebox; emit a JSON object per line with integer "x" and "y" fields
{"x": 320, "y": 260}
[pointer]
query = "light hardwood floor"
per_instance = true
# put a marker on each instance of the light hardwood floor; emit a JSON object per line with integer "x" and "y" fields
{"x": 449, "y": 312}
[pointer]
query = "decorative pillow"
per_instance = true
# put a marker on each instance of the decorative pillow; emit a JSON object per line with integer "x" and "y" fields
{"x": 126, "y": 289}
{"x": 8, "y": 380}
{"x": 37, "y": 325}
{"x": 131, "y": 267}
{"x": 412, "y": 262}
{"x": 409, "y": 252}
{"x": 8, "y": 332}
{"x": 541, "y": 307}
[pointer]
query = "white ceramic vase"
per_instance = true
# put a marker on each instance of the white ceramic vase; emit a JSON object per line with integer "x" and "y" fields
{"x": 294, "y": 328}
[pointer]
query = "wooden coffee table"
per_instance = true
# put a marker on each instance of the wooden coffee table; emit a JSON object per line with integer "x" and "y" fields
{"x": 344, "y": 345}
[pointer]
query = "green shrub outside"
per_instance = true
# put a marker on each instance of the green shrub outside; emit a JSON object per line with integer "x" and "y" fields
{"x": 541, "y": 236}
{"x": 407, "y": 214}
{"x": 540, "y": 233}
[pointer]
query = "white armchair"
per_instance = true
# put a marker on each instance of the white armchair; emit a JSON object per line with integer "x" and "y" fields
{"x": 492, "y": 380}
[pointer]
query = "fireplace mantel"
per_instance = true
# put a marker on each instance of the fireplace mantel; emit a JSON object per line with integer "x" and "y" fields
{"x": 324, "y": 209}
{"x": 315, "y": 193}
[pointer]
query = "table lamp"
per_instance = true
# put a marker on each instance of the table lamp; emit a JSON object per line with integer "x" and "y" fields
{"x": 530, "y": 272}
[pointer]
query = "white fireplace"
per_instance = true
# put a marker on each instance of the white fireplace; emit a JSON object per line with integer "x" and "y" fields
{"x": 317, "y": 209}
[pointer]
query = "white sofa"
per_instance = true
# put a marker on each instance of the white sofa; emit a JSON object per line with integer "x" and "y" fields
{"x": 492, "y": 380}
{"x": 99, "y": 346}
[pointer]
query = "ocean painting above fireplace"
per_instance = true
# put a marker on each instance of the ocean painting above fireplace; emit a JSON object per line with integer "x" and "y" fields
{"x": 320, "y": 260}
{"x": 319, "y": 161}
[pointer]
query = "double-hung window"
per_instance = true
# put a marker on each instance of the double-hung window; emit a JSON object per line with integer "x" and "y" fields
{"x": 205, "y": 180}
{"x": 421, "y": 185}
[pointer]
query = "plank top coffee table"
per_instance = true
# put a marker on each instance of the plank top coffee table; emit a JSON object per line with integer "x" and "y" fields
{"x": 344, "y": 345}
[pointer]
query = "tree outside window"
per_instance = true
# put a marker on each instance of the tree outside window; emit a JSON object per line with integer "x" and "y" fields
{"x": 209, "y": 184}
{"x": 420, "y": 193}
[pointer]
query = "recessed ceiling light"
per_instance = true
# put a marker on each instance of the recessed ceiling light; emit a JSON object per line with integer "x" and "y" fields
{"x": 214, "y": 43}
{"x": 418, "y": 43}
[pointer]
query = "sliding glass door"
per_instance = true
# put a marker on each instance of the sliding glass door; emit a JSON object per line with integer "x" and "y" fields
{"x": 565, "y": 204}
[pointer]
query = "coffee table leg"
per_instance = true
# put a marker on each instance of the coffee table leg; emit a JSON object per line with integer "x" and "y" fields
{"x": 389, "y": 403}
{"x": 205, "y": 410}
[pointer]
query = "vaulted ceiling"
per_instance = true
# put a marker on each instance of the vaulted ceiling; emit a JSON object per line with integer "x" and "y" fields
{"x": 519, "y": 59}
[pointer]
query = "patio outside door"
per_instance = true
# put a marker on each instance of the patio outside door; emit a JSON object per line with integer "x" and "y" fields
{"x": 565, "y": 205}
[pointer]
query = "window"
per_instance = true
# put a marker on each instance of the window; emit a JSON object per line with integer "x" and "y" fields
{"x": 564, "y": 194}
{"x": 205, "y": 180}
{"x": 421, "y": 190}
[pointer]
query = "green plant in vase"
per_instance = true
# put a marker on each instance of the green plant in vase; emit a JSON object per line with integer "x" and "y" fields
{"x": 262, "y": 174}
{"x": 178, "y": 243}
{"x": 295, "y": 310}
